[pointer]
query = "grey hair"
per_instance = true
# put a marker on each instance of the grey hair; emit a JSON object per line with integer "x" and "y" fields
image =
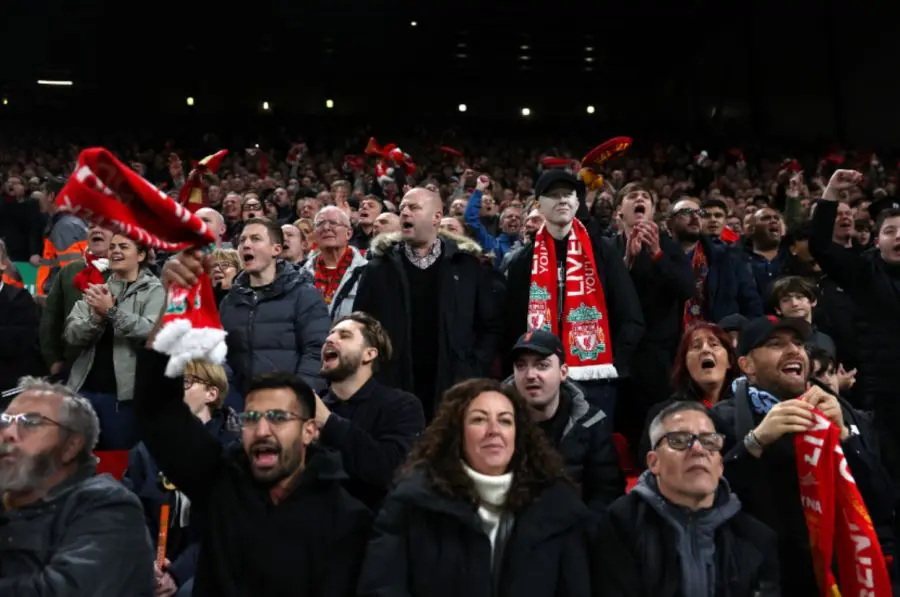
{"x": 345, "y": 219}
{"x": 656, "y": 425}
{"x": 75, "y": 413}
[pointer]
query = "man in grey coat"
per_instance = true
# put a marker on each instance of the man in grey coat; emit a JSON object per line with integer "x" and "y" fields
{"x": 64, "y": 530}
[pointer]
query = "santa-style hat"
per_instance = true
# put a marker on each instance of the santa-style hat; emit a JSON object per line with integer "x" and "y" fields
{"x": 104, "y": 191}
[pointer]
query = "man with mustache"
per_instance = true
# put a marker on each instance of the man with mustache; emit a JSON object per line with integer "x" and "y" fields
{"x": 64, "y": 529}
{"x": 681, "y": 530}
{"x": 62, "y": 296}
{"x": 372, "y": 425}
{"x": 276, "y": 518}
{"x": 773, "y": 403}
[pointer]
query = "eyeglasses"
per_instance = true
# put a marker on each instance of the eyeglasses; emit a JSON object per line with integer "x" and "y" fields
{"x": 190, "y": 380}
{"x": 331, "y": 223}
{"x": 28, "y": 421}
{"x": 690, "y": 211}
{"x": 252, "y": 206}
{"x": 684, "y": 440}
{"x": 223, "y": 265}
{"x": 251, "y": 418}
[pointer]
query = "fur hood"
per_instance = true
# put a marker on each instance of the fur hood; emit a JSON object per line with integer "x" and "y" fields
{"x": 383, "y": 243}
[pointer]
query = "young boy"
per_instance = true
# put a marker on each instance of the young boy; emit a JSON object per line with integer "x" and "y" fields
{"x": 795, "y": 296}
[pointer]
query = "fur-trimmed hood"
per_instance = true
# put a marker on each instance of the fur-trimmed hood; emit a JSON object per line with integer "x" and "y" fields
{"x": 382, "y": 244}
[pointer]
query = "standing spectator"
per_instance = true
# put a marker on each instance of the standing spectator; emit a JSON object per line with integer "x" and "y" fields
{"x": 64, "y": 529}
{"x": 370, "y": 208}
{"x": 65, "y": 239}
{"x": 276, "y": 519}
{"x": 21, "y": 223}
{"x": 482, "y": 508}
{"x": 274, "y": 316}
{"x": 681, "y": 530}
{"x": 793, "y": 296}
{"x": 371, "y": 425}
{"x": 106, "y": 325}
{"x": 336, "y": 266}
{"x": 62, "y": 297}
{"x": 436, "y": 301}
{"x": 386, "y": 223}
{"x": 510, "y": 224}
{"x": 18, "y": 331}
{"x": 296, "y": 245}
{"x": 768, "y": 251}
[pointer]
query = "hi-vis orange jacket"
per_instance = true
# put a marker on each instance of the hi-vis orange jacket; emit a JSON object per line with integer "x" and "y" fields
{"x": 65, "y": 242}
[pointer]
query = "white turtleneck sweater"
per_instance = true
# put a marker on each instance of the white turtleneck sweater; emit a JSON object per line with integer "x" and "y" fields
{"x": 492, "y": 493}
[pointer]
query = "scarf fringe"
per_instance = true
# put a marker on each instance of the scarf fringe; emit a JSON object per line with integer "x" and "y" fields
{"x": 593, "y": 372}
{"x": 184, "y": 343}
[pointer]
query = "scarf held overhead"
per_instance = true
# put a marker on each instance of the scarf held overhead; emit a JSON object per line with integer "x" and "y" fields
{"x": 836, "y": 517}
{"x": 585, "y": 325}
{"x": 105, "y": 192}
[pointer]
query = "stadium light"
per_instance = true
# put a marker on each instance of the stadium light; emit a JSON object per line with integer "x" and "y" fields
{"x": 55, "y": 83}
{"x": 413, "y": 23}
{"x": 265, "y": 106}
{"x": 526, "y": 112}
{"x": 190, "y": 101}
{"x": 463, "y": 108}
{"x": 5, "y": 101}
{"x": 329, "y": 104}
{"x": 590, "y": 109}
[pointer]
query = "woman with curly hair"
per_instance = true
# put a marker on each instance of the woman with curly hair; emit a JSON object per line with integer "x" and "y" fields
{"x": 482, "y": 508}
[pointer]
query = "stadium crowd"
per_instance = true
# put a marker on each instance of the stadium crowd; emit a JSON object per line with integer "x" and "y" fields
{"x": 476, "y": 376}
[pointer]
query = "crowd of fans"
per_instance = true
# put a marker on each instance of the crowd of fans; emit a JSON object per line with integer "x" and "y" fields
{"x": 481, "y": 378}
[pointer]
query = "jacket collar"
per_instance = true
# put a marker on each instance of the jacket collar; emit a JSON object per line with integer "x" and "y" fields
{"x": 387, "y": 242}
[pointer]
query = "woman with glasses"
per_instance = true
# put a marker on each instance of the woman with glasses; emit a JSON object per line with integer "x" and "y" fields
{"x": 226, "y": 265}
{"x": 681, "y": 531}
{"x": 107, "y": 324}
{"x": 482, "y": 507}
{"x": 205, "y": 388}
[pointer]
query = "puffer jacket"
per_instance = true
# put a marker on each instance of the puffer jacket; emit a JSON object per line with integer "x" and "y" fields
{"x": 345, "y": 295}
{"x": 138, "y": 306}
{"x": 278, "y": 327}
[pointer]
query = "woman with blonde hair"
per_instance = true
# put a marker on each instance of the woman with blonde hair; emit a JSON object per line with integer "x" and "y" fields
{"x": 482, "y": 507}
{"x": 226, "y": 265}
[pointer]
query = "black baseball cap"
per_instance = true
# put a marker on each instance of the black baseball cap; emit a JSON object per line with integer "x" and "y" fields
{"x": 756, "y": 331}
{"x": 557, "y": 177}
{"x": 540, "y": 342}
{"x": 733, "y": 323}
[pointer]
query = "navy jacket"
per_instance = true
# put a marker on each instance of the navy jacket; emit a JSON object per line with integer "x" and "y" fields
{"x": 730, "y": 285}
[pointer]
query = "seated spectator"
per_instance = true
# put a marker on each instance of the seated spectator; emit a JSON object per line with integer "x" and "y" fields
{"x": 482, "y": 508}
{"x": 681, "y": 530}
{"x": 106, "y": 324}
{"x": 581, "y": 432}
{"x": 205, "y": 386}
{"x": 64, "y": 529}
{"x": 371, "y": 425}
{"x": 276, "y": 519}
{"x": 793, "y": 296}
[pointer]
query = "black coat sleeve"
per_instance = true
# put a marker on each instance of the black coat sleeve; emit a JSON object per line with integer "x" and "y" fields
{"x": 373, "y": 457}
{"x": 749, "y": 301}
{"x": 602, "y": 482}
{"x": 489, "y": 318}
{"x": 623, "y": 303}
{"x": 182, "y": 447}
{"x": 19, "y": 325}
{"x": 342, "y": 551}
{"x": 385, "y": 568}
{"x": 673, "y": 267}
{"x": 617, "y": 571}
{"x": 840, "y": 263}
{"x": 312, "y": 324}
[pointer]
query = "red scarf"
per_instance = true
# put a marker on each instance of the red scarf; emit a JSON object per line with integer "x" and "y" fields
{"x": 836, "y": 517}
{"x": 585, "y": 326}
{"x": 328, "y": 279}
{"x": 92, "y": 273}
{"x": 696, "y": 305}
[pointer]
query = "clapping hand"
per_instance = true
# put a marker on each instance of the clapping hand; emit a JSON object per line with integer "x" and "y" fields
{"x": 99, "y": 299}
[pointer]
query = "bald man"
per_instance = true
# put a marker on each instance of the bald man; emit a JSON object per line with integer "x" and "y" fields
{"x": 386, "y": 222}
{"x": 215, "y": 221}
{"x": 439, "y": 305}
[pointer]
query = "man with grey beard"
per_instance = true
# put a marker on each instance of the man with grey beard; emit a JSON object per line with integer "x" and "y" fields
{"x": 373, "y": 426}
{"x": 64, "y": 529}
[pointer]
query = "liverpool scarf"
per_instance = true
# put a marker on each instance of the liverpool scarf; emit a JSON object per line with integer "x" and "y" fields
{"x": 585, "y": 325}
{"x": 327, "y": 279}
{"x": 104, "y": 191}
{"x": 836, "y": 517}
{"x": 695, "y": 307}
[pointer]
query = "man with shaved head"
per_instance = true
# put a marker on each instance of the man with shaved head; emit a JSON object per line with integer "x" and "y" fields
{"x": 386, "y": 222}
{"x": 215, "y": 221}
{"x": 435, "y": 299}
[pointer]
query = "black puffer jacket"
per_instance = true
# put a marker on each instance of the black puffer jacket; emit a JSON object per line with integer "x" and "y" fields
{"x": 279, "y": 327}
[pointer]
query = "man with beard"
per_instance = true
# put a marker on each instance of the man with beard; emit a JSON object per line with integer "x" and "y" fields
{"x": 63, "y": 295}
{"x": 574, "y": 284}
{"x": 582, "y": 433}
{"x": 370, "y": 208}
{"x": 64, "y": 529}
{"x": 276, "y": 518}
{"x": 371, "y": 425}
{"x": 662, "y": 277}
{"x": 723, "y": 282}
{"x": 773, "y": 403}
{"x": 767, "y": 252}
{"x": 510, "y": 224}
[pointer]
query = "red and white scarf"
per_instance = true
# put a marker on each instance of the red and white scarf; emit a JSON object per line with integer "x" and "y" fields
{"x": 837, "y": 518}
{"x": 585, "y": 325}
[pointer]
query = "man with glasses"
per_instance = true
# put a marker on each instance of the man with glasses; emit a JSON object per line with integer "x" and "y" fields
{"x": 64, "y": 530}
{"x": 335, "y": 265}
{"x": 276, "y": 518}
{"x": 723, "y": 281}
{"x": 681, "y": 530}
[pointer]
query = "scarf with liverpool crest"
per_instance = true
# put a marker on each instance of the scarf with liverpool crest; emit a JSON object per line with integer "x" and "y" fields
{"x": 585, "y": 326}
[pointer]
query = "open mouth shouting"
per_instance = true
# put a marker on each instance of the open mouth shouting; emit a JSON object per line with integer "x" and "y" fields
{"x": 265, "y": 455}
{"x": 407, "y": 226}
{"x": 640, "y": 209}
{"x": 330, "y": 356}
{"x": 794, "y": 369}
{"x": 708, "y": 362}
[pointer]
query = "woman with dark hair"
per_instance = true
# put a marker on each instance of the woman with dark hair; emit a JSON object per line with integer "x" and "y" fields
{"x": 482, "y": 508}
{"x": 704, "y": 369}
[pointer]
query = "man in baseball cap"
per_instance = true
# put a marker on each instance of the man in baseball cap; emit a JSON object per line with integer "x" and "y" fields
{"x": 756, "y": 332}
{"x": 581, "y": 432}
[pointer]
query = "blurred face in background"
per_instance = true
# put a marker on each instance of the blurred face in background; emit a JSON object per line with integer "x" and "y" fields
{"x": 386, "y": 222}
{"x": 453, "y": 226}
{"x": 98, "y": 240}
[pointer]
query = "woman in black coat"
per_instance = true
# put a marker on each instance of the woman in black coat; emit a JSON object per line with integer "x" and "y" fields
{"x": 482, "y": 509}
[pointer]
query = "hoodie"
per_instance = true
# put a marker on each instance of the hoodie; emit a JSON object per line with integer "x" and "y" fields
{"x": 694, "y": 532}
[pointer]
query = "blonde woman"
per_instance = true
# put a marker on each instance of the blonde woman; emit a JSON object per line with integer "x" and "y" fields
{"x": 226, "y": 265}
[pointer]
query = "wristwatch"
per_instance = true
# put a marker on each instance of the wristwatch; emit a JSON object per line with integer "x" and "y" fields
{"x": 752, "y": 443}
{"x": 111, "y": 312}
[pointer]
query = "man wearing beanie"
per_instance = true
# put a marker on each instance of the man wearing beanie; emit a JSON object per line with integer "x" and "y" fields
{"x": 572, "y": 282}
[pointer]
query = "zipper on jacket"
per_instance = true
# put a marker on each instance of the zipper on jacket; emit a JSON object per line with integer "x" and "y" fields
{"x": 253, "y": 301}
{"x": 561, "y": 293}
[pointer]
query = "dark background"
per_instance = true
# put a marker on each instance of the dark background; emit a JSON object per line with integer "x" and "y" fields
{"x": 818, "y": 72}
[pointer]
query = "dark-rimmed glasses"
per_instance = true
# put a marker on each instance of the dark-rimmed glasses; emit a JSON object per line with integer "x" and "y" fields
{"x": 690, "y": 211}
{"x": 684, "y": 440}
